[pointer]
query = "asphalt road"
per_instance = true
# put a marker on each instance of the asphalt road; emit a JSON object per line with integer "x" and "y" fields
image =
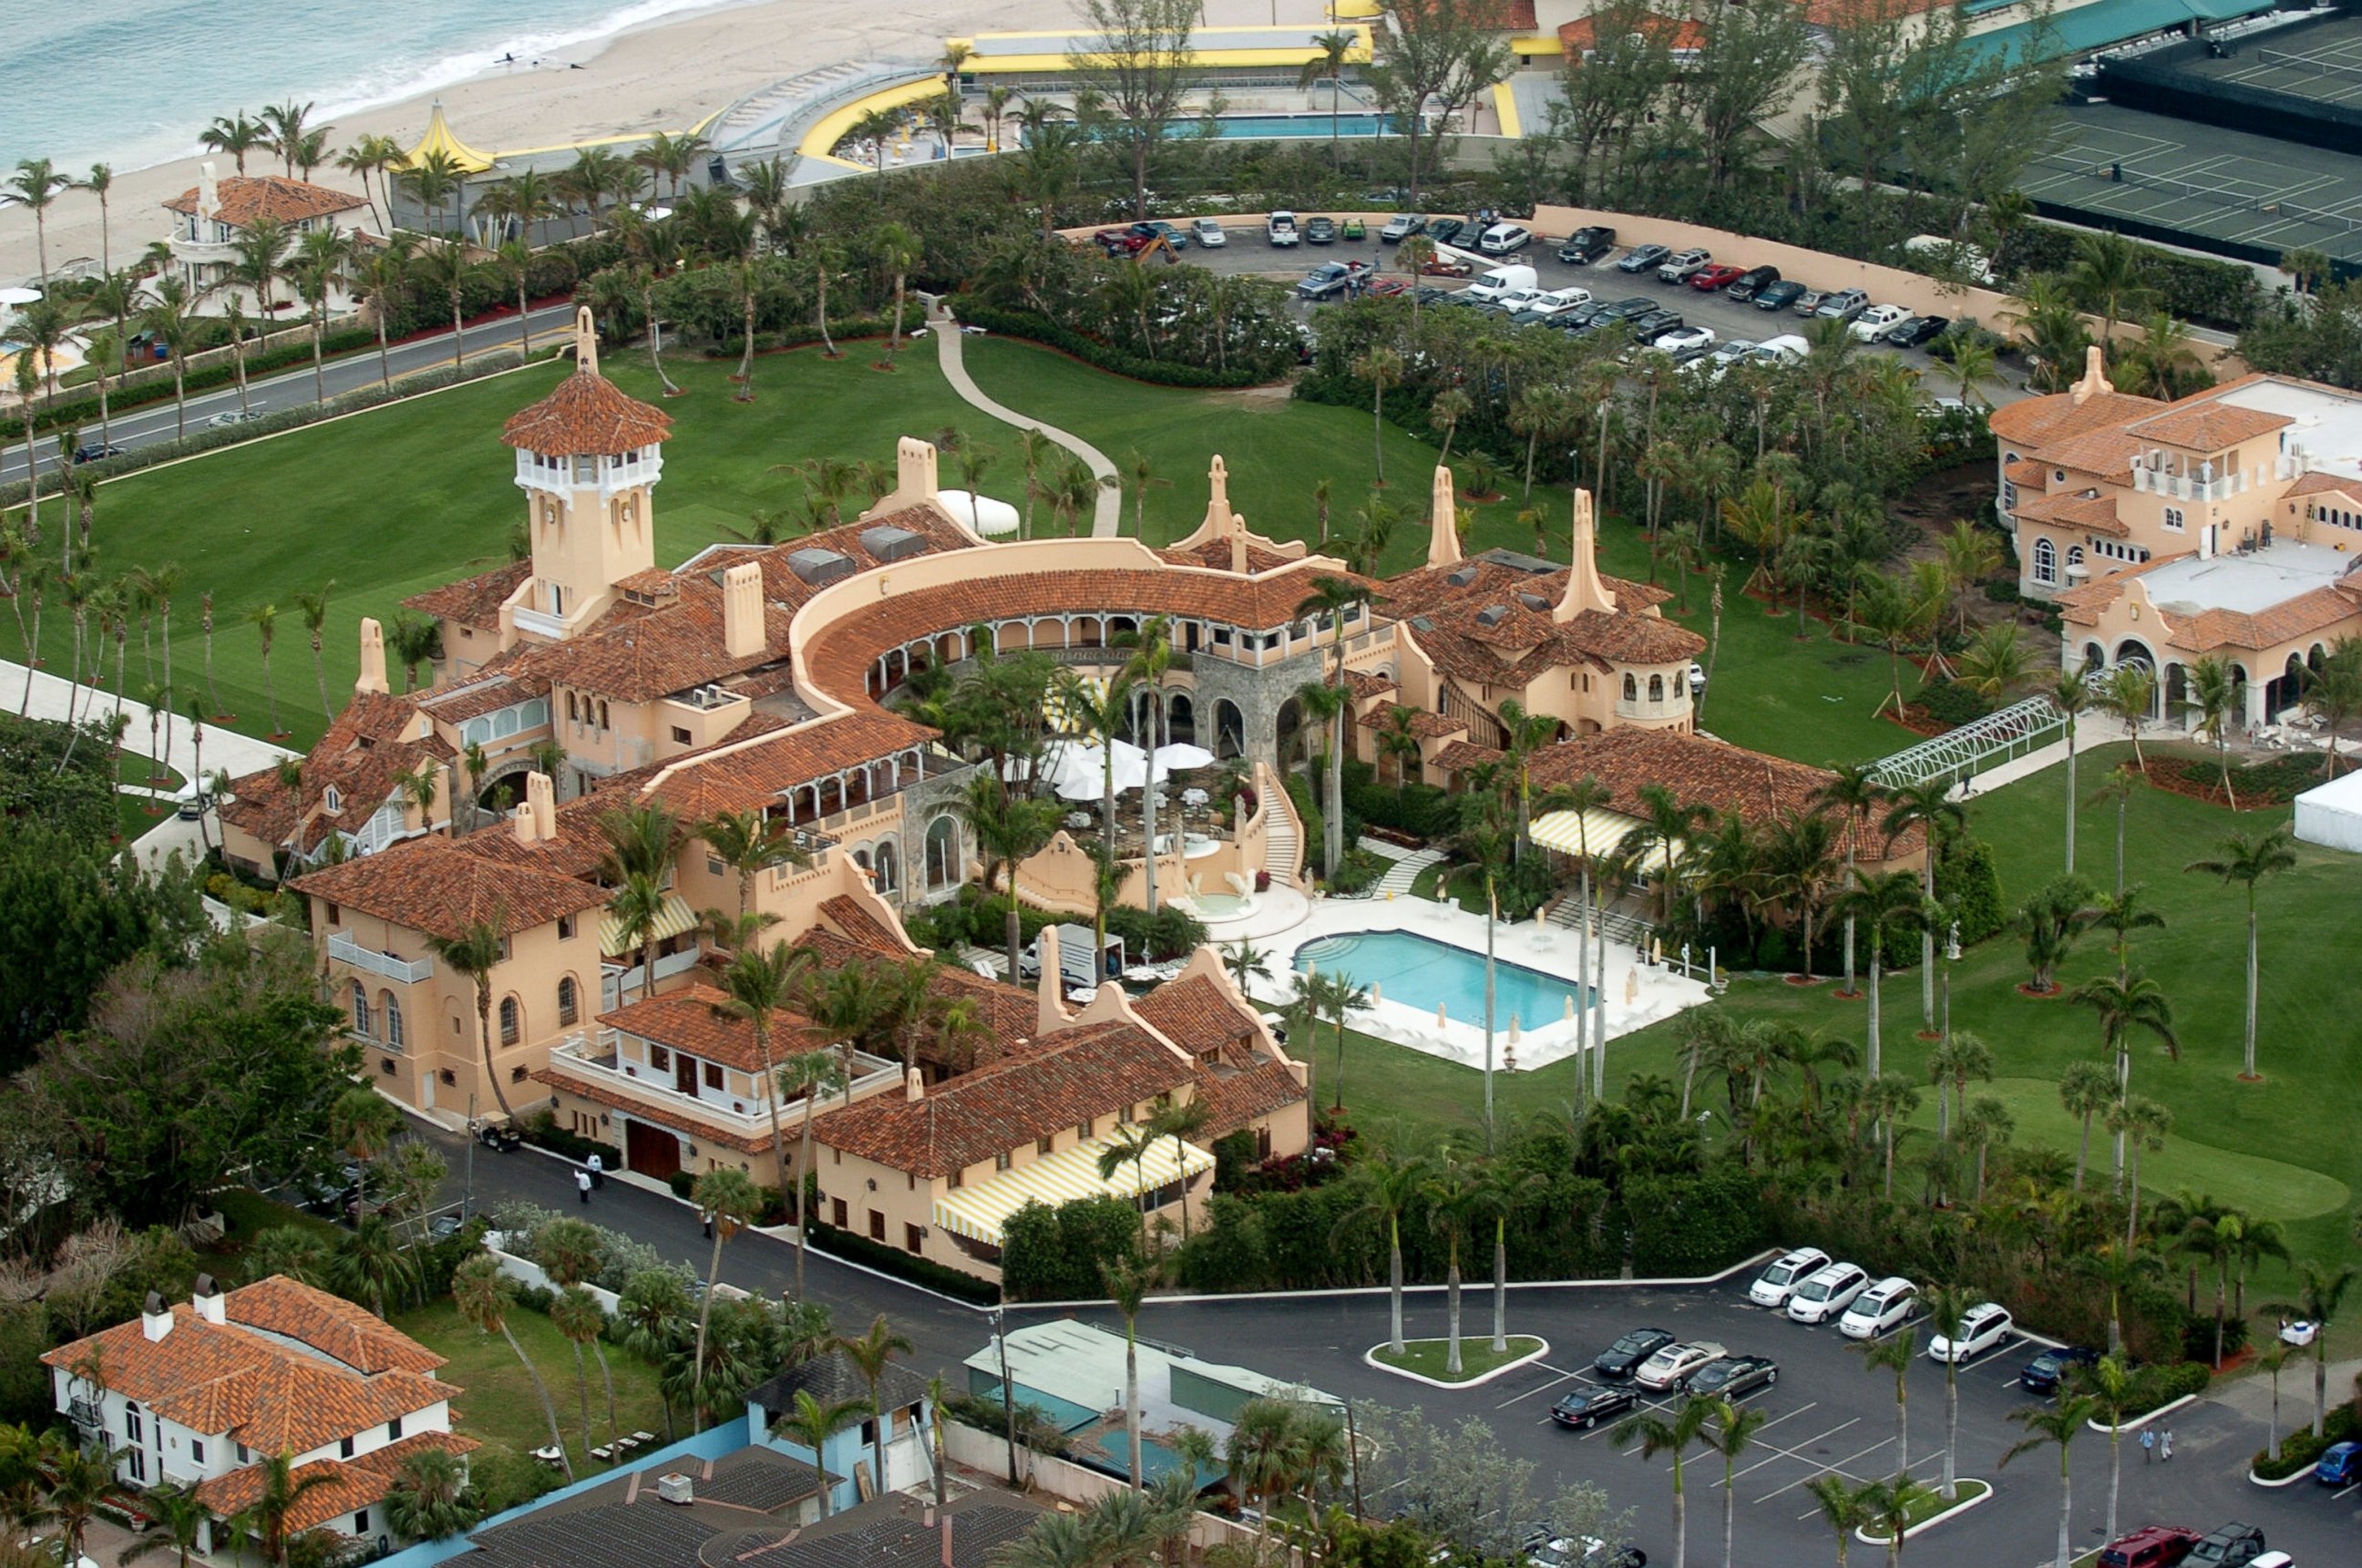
{"x": 1828, "y": 1412}
{"x": 151, "y": 423}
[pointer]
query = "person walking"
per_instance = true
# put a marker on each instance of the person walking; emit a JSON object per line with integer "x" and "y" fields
{"x": 2165, "y": 1447}
{"x": 582, "y": 1183}
{"x": 597, "y": 1171}
{"x": 705, "y": 1217}
{"x": 2148, "y": 1437}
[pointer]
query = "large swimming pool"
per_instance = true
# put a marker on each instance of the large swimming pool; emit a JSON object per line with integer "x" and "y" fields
{"x": 1421, "y": 971}
{"x": 1348, "y": 123}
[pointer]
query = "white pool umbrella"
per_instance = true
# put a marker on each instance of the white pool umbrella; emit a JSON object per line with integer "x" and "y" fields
{"x": 1180, "y": 756}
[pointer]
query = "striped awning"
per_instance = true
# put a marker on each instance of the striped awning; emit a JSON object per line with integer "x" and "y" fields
{"x": 1603, "y": 830}
{"x": 978, "y": 1212}
{"x": 615, "y": 941}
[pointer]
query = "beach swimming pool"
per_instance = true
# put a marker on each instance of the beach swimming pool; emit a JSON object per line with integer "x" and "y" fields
{"x": 1421, "y": 971}
{"x": 1302, "y": 125}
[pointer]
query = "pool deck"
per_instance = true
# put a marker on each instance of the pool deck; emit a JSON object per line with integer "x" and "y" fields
{"x": 1638, "y": 993}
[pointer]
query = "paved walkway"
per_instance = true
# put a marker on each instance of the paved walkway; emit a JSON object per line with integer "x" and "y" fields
{"x": 224, "y": 748}
{"x": 1107, "y": 520}
{"x": 1408, "y": 865}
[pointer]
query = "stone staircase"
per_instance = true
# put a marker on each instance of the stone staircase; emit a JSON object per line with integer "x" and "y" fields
{"x": 1567, "y": 914}
{"x": 1279, "y": 848}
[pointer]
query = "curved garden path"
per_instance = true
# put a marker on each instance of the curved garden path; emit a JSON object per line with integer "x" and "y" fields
{"x": 1107, "y": 519}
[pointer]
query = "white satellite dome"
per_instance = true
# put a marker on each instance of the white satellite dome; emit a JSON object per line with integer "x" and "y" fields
{"x": 993, "y": 519}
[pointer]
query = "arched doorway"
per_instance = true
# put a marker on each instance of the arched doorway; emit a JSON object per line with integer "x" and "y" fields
{"x": 944, "y": 871}
{"x": 1180, "y": 719}
{"x": 888, "y": 868}
{"x": 2133, "y": 651}
{"x": 1229, "y": 730}
{"x": 1289, "y": 734}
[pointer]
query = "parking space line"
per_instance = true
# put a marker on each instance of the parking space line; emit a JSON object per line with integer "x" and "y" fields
{"x": 2335, "y": 1497}
{"x": 1838, "y": 1468}
{"x": 1536, "y": 1388}
{"x": 1797, "y": 1452}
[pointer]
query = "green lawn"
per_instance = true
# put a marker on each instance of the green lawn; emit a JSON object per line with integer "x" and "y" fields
{"x": 1429, "y": 1357}
{"x": 500, "y": 1405}
{"x": 398, "y": 500}
{"x": 1929, "y": 1501}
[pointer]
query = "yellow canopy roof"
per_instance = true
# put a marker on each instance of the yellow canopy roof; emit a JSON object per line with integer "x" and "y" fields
{"x": 677, "y": 918}
{"x": 439, "y": 139}
{"x": 1600, "y": 828}
{"x": 978, "y": 1212}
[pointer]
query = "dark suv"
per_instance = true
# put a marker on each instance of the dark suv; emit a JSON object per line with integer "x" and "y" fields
{"x": 1753, "y": 282}
{"x": 1622, "y": 1359}
{"x": 2042, "y": 1374}
{"x": 1585, "y": 246}
{"x": 2231, "y": 1547}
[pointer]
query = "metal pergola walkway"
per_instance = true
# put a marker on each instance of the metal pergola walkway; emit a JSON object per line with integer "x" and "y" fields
{"x": 2006, "y": 733}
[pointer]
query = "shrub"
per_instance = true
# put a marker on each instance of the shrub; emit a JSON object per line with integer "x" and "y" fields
{"x": 1422, "y": 811}
{"x": 682, "y": 1183}
{"x": 1683, "y": 1225}
{"x": 1359, "y": 872}
{"x": 2300, "y": 1448}
{"x": 1316, "y": 825}
{"x": 541, "y": 1128}
{"x": 1953, "y": 703}
{"x": 892, "y": 1261}
{"x": 2274, "y": 783}
{"x": 1969, "y": 875}
{"x": 975, "y": 312}
{"x": 2159, "y": 1385}
{"x": 2213, "y": 293}
{"x": 1057, "y": 1254}
{"x": 1171, "y": 933}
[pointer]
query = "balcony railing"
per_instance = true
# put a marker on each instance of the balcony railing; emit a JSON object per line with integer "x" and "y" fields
{"x": 1641, "y": 708}
{"x": 345, "y": 949}
{"x": 596, "y": 1052}
{"x": 617, "y": 982}
{"x": 540, "y": 623}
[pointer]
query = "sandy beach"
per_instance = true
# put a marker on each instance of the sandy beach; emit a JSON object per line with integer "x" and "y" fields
{"x": 667, "y": 76}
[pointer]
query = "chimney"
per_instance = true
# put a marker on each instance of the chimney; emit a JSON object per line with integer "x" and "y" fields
{"x": 373, "y": 676}
{"x": 521, "y": 824}
{"x": 1443, "y": 521}
{"x": 2096, "y": 376}
{"x": 915, "y": 1087}
{"x": 586, "y": 342}
{"x": 208, "y": 194}
{"x": 208, "y": 1301}
{"x": 914, "y": 466}
{"x": 742, "y": 609}
{"x": 541, "y": 800}
{"x": 1050, "y": 988}
{"x": 1220, "y": 519}
{"x": 154, "y": 1319}
{"x": 1583, "y": 588}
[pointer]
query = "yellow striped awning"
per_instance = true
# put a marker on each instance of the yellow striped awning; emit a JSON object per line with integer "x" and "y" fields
{"x": 440, "y": 138}
{"x": 978, "y": 1212}
{"x": 614, "y": 941}
{"x": 1602, "y": 829}
{"x": 1061, "y": 714}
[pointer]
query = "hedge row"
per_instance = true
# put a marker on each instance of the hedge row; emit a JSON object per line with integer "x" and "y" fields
{"x": 83, "y": 412}
{"x": 935, "y": 1276}
{"x": 2215, "y": 294}
{"x": 2300, "y": 1449}
{"x": 975, "y": 312}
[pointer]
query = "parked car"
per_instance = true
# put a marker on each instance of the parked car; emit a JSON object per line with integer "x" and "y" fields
{"x": 1505, "y": 238}
{"x": 1843, "y": 305}
{"x": 1781, "y": 294}
{"x": 1351, "y": 229}
{"x": 1785, "y": 349}
{"x": 1587, "y": 245}
{"x": 1734, "y": 1376}
{"x": 1673, "y": 1364}
{"x": 1681, "y": 339}
{"x": 1809, "y": 302}
{"x": 1402, "y": 226}
{"x": 1445, "y": 267}
{"x": 1683, "y": 265}
{"x": 2045, "y": 1372}
{"x": 1826, "y": 1293}
{"x": 2151, "y": 1546}
{"x": 1545, "y": 1549}
{"x": 1445, "y": 230}
{"x": 1625, "y": 309}
{"x": 1330, "y": 279}
{"x": 1641, "y": 257}
{"x": 1650, "y": 324}
{"x": 1209, "y": 233}
{"x": 1986, "y": 1326}
{"x": 230, "y": 416}
{"x": 1588, "y": 1406}
{"x": 1152, "y": 230}
{"x": 1321, "y": 231}
{"x": 2340, "y": 1465}
{"x": 1888, "y": 1304}
{"x": 1721, "y": 275}
{"x": 1913, "y": 331}
{"x": 1697, "y": 678}
{"x": 1873, "y": 324}
{"x": 1118, "y": 241}
{"x": 1622, "y": 1359}
{"x": 1279, "y": 228}
{"x": 1751, "y": 283}
{"x": 2234, "y": 1545}
{"x": 1556, "y": 302}
{"x": 1382, "y": 288}
{"x": 96, "y": 451}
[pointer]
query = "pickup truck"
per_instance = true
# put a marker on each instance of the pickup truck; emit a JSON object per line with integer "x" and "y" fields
{"x": 1279, "y": 228}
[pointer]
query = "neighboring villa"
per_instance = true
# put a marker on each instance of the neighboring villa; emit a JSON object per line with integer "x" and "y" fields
{"x": 199, "y": 1394}
{"x": 2226, "y": 524}
{"x": 214, "y": 215}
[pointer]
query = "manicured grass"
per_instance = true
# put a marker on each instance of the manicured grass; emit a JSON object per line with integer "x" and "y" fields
{"x": 500, "y": 1405}
{"x": 401, "y": 499}
{"x": 1928, "y": 1502}
{"x": 1429, "y": 1357}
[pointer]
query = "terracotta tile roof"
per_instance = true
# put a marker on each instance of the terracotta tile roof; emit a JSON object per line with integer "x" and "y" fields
{"x": 347, "y": 1484}
{"x": 577, "y": 851}
{"x": 329, "y": 1324}
{"x": 2319, "y": 483}
{"x": 1234, "y": 1097}
{"x": 1009, "y": 1013}
{"x": 2093, "y": 513}
{"x": 1699, "y": 769}
{"x": 1832, "y": 14}
{"x": 1579, "y": 36}
{"x": 1467, "y": 753}
{"x": 1495, "y": 626}
{"x": 243, "y": 198}
{"x": 2107, "y": 454}
{"x": 2036, "y": 421}
{"x": 856, "y": 921}
{"x": 362, "y": 756}
{"x": 1197, "y": 1015}
{"x": 2208, "y": 424}
{"x": 2083, "y": 605}
{"x": 2313, "y": 612}
{"x": 1422, "y": 724}
{"x": 637, "y": 652}
{"x": 432, "y": 886}
{"x": 1075, "y": 1075}
{"x": 736, "y": 778}
{"x": 585, "y": 415}
{"x": 485, "y": 691}
{"x": 705, "y": 1131}
{"x": 1366, "y": 686}
{"x": 472, "y": 601}
{"x": 2025, "y": 470}
{"x": 1215, "y": 554}
{"x": 698, "y": 1019}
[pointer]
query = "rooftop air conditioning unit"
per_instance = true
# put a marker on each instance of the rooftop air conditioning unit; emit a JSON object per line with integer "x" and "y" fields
{"x": 674, "y": 1487}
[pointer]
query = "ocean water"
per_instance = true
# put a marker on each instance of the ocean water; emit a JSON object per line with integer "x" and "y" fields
{"x": 131, "y": 83}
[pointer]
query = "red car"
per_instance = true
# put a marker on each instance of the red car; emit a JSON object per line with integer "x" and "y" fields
{"x": 1445, "y": 267}
{"x": 1716, "y": 277}
{"x": 1120, "y": 241}
{"x": 2151, "y": 1546}
{"x": 1386, "y": 286}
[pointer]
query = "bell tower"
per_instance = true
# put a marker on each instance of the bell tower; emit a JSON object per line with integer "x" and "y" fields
{"x": 588, "y": 458}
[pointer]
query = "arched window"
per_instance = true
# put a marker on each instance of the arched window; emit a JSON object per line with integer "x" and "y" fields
{"x": 2046, "y": 561}
{"x": 943, "y": 855}
{"x": 2074, "y": 555}
{"x": 1631, "y": 688}
{"x": 387, "y": 1001}
{"x": 360, "y": 1009}
{"x": 1656, "y": 688}
{"x": 889, "y": 868}
{"x": 1680, "y": 684}
{"x": 568, "y": 1006}
{"x": 508, "y": 1029}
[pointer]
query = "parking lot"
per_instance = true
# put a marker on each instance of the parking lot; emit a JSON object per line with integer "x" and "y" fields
{"x": 1829, "y": 1414}
{"x": 1246, "y": 250}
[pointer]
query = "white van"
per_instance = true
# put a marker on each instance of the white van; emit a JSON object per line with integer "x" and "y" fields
{"x": 1502, "y": 281}
{"x": 1950, "y": 259}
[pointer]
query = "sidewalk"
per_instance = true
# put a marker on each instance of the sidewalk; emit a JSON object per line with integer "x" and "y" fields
{"x": 1107, "y": 520}
{"x": 225, "y": 749}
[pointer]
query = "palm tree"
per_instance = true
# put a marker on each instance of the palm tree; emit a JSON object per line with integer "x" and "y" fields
{"x": 898, "y": 250}
{"x": 1846, "y": 1509}
{"x": 1151, "y": 647}
{"x": 1388, "y": 1185}
{"x": 1181, "y": 1121}
{"x": 168, "y": 317}
{"x": 370, "y": 1263}
{"x": 571, "y": 1252}
{"x": 759, "y": 984}
{"x": 428, "y": 1499}
{"x": 176, "y": 1522}
{"x": 2130, "y": 692}
{"x": 1733, "y": 1430}
{"x": 2125, "y": 1002}
{"x": 577, "y": 1316}
{"x": 235, "y": 135}
{"x": 871, "y": 1353}
{"x": 476, "y": 951}
{"x": 2107, "y": 277}
{"x": 2108, "y": 1383}
{"x": 484, "y": 1296}
{"x": 1947, "y": 1304}
{"x": 264, "y": 618}
{"x": 1382, "y": 368}
{"x": 2320, "y": 1292}
{"x": 1929, "y": 806}
{"x": 1888, "y": 900}
{"x": 268, "y": 1522}
{"x": 313, "y": 607}
{"x": 1853, "y": 789}
{"x": 36, "y": 184}
{"x": 1894, "y": 1354}
{"x": 1658, "y": 1435}
{"x": 2140, "y": 1124}
{"x": 734, "y": 1201}
{"x": 809, "y": 1425}
{"x": 1008, "y": 829}
{"x": 1329, "y": 65}
{"x": 285, "y": 1249}
{"x": 2214, "y": 694}
{"x": 2270, "y": 1360}
{"x": 1457, "y": 1198}
{"x": 2055, "y": 1424}
{"x": 2247, "y": 860}
{"x": 653, "y": 1312}
{"x": 1128, "y": 1280}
